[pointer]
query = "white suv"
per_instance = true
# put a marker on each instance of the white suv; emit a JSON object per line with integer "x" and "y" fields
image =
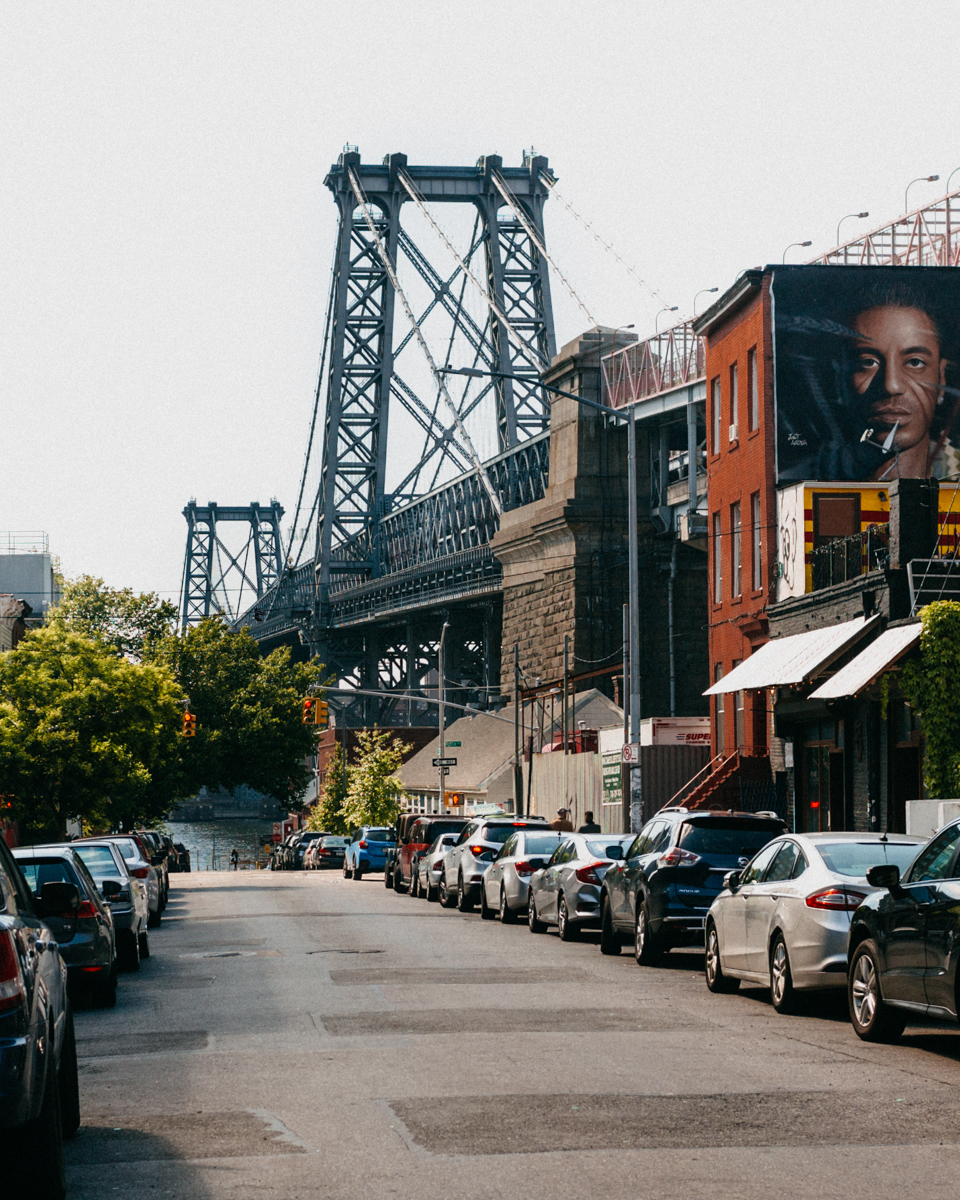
{"x": 476, "y": 847}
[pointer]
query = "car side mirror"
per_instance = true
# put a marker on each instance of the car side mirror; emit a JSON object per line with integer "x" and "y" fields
{"x": 111, "y": 888}
{"x": 887, "y": 875}
{"x": 538, "y": 863}
{"x": 156, "y": 860}
{"x": 731, "y": 881}
{"x": 615, "y": 852}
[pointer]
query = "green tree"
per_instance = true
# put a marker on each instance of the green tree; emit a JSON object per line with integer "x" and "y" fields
{"x": 328, "y": 811}
{"x": 130, "y": 622}
{"x": 248, "y": 709}
{"x": 373, "y": 789}
{"x": 85, "y": 732}
{"x": 930, "y": 684}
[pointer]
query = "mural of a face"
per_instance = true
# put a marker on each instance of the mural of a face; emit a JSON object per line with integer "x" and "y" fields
{"x": 900, "y": 372}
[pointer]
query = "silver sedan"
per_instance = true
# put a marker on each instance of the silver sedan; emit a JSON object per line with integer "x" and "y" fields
{"x": 506, "y": 880}
{"x": 782, "y": 922}
{"x": 566, "y": 892}
{"x": 430, "y": 866}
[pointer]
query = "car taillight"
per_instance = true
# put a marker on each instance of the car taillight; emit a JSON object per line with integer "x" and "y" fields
{"x": 363, "y": 845}
{"x": 319, "y": 852}
{"x": 524, "y": 868}
{"x": 476, "y": 851}
{"x": 12, "y": 993}
{"x": 86, "y": 909}
{"x": 589, "y": 874}
{"x": 677, "y": 858}
{"x": 437, "y": 866}
{"x": 140, "y": 872}
{"x": 836, "y": 899}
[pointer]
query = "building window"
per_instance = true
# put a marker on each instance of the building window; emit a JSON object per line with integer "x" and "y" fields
{"x": 734, "y": 403}
{"x": 740, "y": 723}
{"x": 715, "y": 413}
{"x": 753, "y": 388}
{"x": 757, "y": 562}
{"x": 717, "y": 561}
{"x": 719, "y": 701}
{"x": 735, "y": 550}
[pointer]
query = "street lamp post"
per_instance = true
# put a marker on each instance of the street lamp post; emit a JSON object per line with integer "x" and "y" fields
{"x": 656, "y": 324}
{"x": 919, "y": 179}
{"x": 790, "y": 247}
{"x": 702, "y": 292}
{"x": 633, "y": 558}
{"x": 441, "y": 697}
{"x": 848, "y": 217}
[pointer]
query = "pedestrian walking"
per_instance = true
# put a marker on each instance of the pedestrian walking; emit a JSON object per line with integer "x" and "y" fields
{"x": 235, "y": 858}
{"x": 562, "y": 824}
{"x": 589, "y": 824}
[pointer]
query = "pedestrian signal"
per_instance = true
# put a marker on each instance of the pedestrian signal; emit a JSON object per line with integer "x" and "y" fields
{"x": 452, "y": 799}
{"x": 189, "y": 725}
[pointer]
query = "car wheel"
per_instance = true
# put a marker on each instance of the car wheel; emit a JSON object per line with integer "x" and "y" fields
{"x": 486, "y": 912}
{"x": 712, "y": 970}
{"x": 415, "y": 884}
{"x": 357, "y": 873}
{"x": 153, "y": 921}
{"x": 872, "y": 1018}
{"x": 781, "y": 979}
{"x": 610, "y": 942}
{"x": 565, "y": 927}
{"x": 432, "y": 893}
{"x": 646, "y": 947}
{"x": 346, "y": 873}
{"x": 106, "y": 996}
{"x": 388, "y": 880}
{"x": 533, "y": 921}
{"x": 128, "y": 950}
{"x": 68, "y": 1081}
{"x": 143, "y": 944}
{"x": 447, "y": 898}
{"x": 464, "y": 903}
{"x": 42, "y": 1172}
{"x": 507, "y": 914}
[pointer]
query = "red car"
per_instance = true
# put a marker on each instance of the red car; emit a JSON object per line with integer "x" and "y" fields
{"x": 414, "y": 835}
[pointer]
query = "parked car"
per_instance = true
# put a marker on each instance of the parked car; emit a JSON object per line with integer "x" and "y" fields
{"x": 325, "y": 852}
{"x": 126, "y": 896}
{"x": 85, "y": 936}
{"x": 139, "y": 865}
{"x": 507, "y": 879}
{"x": 566, "y": 891}
{"x": 300, "y": 845}
{"x": 429, "y": 865}
{"x": 477, "y": 845}
{"x": 183, "y": 858}
{"x": 281, "y": 858}
{"x": 671, "y": 874}
{"x": 413, "y": 837}
{"x": 784, "y": 920}
{"x": 39, "y": 1089}
{"x": 905, "y": 942}
{"x": 156, "y": 853}
{"x": 367, "y": 850}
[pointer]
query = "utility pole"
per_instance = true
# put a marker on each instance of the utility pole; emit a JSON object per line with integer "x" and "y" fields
{"x": 564, "y": 712}
{"x": 636, "y": 771}
{"x": 440, "y": 697}
{"x": 517, "y": 768}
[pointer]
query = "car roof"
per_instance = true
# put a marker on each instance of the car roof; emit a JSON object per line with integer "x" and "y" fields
{"x": 903, "y": 839}
{"x": 52, "y": 850}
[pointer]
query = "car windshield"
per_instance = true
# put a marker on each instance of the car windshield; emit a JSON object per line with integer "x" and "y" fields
{"x": 335, "y": 841}
{"x": 98, "y": 859}
{"x": 609, "y": 848}
{"x": 728, "y": 836}
{"x": 856, "y": 858}
{"x": 497, "y": 833}
{"x": 38, "y": 871}
{"x": 540, "y": 843}
{"x": 379, "y": 835}
{"x": 438, "y": 827}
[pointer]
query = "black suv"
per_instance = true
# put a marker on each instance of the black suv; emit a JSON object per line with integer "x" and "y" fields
{"x": 904, "y": 942}
{"x": 672, "y": 872}
{"x": 39, "y": 1095}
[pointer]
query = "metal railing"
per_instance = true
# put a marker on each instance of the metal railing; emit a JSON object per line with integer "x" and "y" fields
{"x": 850, "y": 557}
{"x": 661, "y": 363}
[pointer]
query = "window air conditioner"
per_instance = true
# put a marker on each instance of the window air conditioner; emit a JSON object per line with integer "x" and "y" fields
{"x": 732, "y": 434}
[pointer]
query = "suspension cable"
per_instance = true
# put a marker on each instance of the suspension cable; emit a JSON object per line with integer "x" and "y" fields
{"x": 524, "y": 348}
{"x": 438, "y": 378}
{"x": 534, "y": 237}
{"x": 551, "y": 184}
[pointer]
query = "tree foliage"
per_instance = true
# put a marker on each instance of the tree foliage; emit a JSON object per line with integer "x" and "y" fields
{"x": 85, "y": 732}
{"x": 328, "y": 812}
{"x": 930, "y": 684}
{"x": 373, "y": 790}
{"x": 130, "y": 622}
{"x": 248, "y": 709}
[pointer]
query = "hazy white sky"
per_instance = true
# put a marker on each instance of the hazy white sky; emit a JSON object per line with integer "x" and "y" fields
{"x": 166, "y": 238}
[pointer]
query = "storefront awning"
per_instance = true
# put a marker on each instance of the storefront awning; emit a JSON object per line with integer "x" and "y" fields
{"x": 861, "y": 671}
{"x": 792, "y": 659}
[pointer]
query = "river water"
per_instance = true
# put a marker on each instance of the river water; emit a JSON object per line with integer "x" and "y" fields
{"x": 210, "y": 842}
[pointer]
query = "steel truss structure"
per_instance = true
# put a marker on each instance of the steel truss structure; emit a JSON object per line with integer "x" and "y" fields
{"x": 212, "y": 573}
{"x": 926, "y": 237}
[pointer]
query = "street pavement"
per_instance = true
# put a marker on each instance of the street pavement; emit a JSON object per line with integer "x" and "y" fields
{"x": 301, "y": 1035}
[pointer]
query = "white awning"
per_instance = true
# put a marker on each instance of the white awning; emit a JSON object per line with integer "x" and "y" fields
{"x": 792, "y": 659}
{"x": 870, "y": 663}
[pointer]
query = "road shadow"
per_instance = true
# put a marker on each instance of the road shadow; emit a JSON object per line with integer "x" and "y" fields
{"x": 148, "y": 1162}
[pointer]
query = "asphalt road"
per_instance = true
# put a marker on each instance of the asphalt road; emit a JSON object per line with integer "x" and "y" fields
{"x": 300, "y": 1035}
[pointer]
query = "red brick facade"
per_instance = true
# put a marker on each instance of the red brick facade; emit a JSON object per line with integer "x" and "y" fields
{"x": 741, "y": 502}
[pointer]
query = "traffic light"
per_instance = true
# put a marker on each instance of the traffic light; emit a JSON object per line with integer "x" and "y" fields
{"x": 309, "y": 710}
{"x": 189, "y": 725}
{"x": 322, "y": 715}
